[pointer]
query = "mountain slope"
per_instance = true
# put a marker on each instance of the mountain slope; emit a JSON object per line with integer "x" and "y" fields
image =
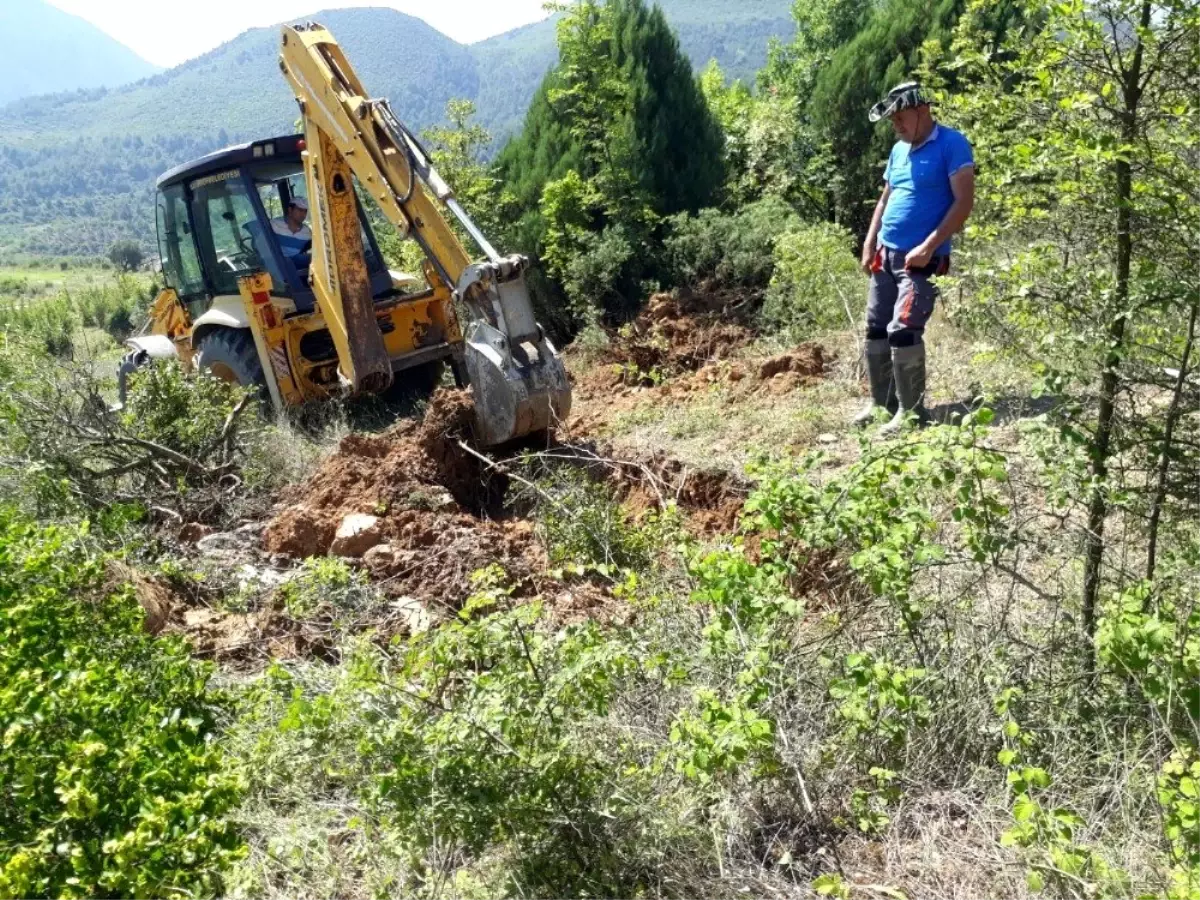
{"x": 47, "y": 50}
{"x": 77, "y": 170}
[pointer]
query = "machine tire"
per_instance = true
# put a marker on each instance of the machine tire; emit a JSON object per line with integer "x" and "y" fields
{"x": 230, "y": 354}
{"x": 419, "y": 381}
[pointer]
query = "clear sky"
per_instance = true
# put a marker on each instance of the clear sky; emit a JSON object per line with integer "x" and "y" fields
{"x": 167, "y": 32}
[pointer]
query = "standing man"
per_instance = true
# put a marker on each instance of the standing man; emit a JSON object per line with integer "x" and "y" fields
{"x": 928, "y": 193}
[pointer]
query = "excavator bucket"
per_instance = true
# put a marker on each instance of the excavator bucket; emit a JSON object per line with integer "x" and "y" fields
{"x": 519, "y": 383}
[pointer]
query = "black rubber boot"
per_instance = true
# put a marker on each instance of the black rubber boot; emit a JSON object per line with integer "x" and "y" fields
{"x": 878, "y": 356}
{"x": 908, "y": 365}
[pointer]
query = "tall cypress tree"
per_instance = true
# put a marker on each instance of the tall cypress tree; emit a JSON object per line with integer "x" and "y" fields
{"x": 882, "y": 54}
{"x": 678, "y": 142}
{"x": 659, "y": 126}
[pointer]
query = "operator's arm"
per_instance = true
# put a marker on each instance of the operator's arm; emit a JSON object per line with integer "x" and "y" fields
{"x": 868, "y": 250}
{"x": 962, "y": 184}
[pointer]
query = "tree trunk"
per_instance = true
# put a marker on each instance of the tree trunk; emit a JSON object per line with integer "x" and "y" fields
{"x": 1164, "y": 460}
{"x": 1110, "y": 381}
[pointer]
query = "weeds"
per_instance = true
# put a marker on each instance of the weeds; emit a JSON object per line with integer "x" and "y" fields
{"x": 111, "y": 780}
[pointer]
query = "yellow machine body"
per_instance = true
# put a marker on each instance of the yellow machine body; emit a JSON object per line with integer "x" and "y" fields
{"x": 339, "y": 324}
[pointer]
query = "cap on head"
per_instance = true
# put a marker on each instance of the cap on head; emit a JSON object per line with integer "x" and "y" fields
{"x": 902, "y": 96}
{"x": 299, "y": 202}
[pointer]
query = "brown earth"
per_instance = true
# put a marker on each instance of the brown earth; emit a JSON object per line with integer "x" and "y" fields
{"x": 602, "y": 393}
{"x": 412, "y": 467}
{"x": 676, "y": 333}
{"x": 683, "y": 343}
{"x": 157, "y": 600}
{"x": 710, "y": 499}
{"x": 440, "y": 507}
{"x": 433, "y": 499}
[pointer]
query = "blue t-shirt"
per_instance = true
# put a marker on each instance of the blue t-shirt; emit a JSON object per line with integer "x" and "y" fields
{"x": 920, "y": 182}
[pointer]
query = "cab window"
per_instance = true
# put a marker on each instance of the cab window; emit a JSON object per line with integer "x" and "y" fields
{"x": 228, "y": 229}
{"x": 277, "y": 184}
{"x": 176, "y": 247}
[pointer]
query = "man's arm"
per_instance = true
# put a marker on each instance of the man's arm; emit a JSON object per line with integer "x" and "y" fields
{"x": 962, "y": 184}
{"x": 868, "y": 250}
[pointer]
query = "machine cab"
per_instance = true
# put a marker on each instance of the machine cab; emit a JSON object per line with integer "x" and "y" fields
{"x": 223, "y": 216}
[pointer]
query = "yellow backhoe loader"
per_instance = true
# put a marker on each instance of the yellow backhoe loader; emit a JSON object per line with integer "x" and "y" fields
{"x": 252, "y": 301}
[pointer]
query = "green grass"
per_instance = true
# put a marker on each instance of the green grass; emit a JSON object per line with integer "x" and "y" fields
{"x": 29, "y": 280}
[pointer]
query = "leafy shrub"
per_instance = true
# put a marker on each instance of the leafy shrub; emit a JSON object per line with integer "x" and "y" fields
{"x": 110, "y": 783}
{"x": 178, "y": 441}
{"x": 477, "y": 738}
{"x": 816, "y": 284}
{"x": 330, "y": 584}
{"x": 596, "y": 266}
{"x": 118, "y": 309}
{"x": 49, "y": 323}
{"x": 184, "y": 412}
{"x": 735, "y": 250}
{"x": 582, "y": 523}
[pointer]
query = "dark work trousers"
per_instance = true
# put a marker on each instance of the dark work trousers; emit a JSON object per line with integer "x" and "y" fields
{"x": 900, "y": 301}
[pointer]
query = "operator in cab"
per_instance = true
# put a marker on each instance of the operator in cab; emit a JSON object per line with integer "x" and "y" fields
{"x": 293, "y": 234}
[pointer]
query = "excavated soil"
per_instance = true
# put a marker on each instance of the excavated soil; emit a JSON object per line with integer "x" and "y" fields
{"x": 676, "y": 333}
{"x": 711, "y": 500}
{"x": 685, "y": 343}
{"x": 432, "y": 497}
{"x": 439, "y": 507}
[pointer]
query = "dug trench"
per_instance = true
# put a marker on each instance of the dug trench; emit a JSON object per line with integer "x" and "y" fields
{"x": 417, "y": 510}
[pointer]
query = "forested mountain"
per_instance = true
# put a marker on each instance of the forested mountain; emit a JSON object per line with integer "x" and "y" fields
{"x": 76, "y": 169}
{"x": 47, "y": 50}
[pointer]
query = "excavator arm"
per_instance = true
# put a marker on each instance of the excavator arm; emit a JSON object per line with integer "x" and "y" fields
{"x": 518, "y": 381}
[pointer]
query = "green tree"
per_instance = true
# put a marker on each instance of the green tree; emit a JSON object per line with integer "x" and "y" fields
{"x": 125, "y": 255}
{"x": 883, "y": 53}
{"x": 457, "y": 149}
{"x": 771, "y": 150}
{"x": 618, "y": 136}
{"x": 1086, "y": 129}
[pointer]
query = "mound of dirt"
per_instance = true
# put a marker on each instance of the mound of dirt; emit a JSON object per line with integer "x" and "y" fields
{"x": 807, "y": 361}
{"x": 676, "y": 333}
{"x": 413, "y": 466}
{"x": 431, "y": 556}
{"x": 711, "y": 499}
{"x": 430, "y": 497}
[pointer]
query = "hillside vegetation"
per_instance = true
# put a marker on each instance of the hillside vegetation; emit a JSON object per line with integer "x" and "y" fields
{"x": 76, "y": 170}
{"x": 705, "y": 639}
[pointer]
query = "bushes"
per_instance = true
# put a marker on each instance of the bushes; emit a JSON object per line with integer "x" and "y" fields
{"x": 50, "y": 323}
{"x": 734, "y": 250}
{"x": 119, "y": 310}
{"x": 581, "y": 523}
{"x": 475, "y": 740}
{"x": 816, "y": 284}
{"x": 54, "y": 321}
{"x": 177, "y": 444}
{"x": 110, "y": 783}
{"x": 807, "y": 271}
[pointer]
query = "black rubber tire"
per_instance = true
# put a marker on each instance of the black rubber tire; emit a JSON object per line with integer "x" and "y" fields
{"x": 230, "y": 353}
{"x": 418, "y": 382}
